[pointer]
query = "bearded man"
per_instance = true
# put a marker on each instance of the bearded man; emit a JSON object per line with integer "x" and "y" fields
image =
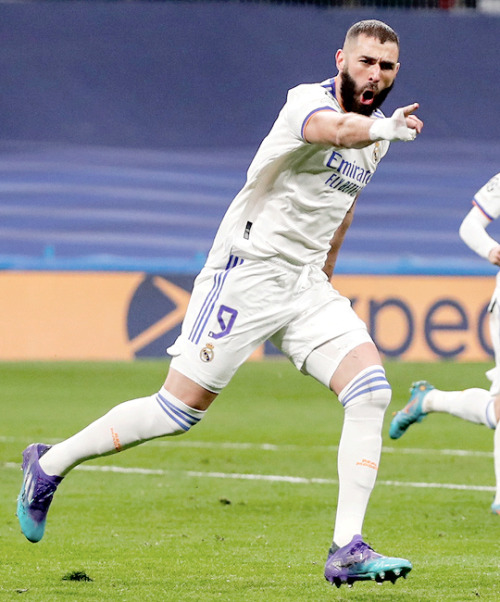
{"x": 267, "y": 277}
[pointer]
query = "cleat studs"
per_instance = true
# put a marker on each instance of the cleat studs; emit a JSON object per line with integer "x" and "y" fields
{"x": 382, "y": 575}
{"x": 397, "y": 572}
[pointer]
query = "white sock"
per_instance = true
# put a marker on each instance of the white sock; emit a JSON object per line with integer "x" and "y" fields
{"x": 365, "y": 400}
{"x": 124, "y": 426}
{"x": 474, "y": 405}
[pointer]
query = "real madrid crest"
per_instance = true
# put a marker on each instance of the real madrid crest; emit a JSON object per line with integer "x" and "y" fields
{"x": 207, "y": 353}
{"x": 376, "y": 152}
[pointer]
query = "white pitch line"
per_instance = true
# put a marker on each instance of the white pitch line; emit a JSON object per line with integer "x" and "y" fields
{"x": 265, "y": 477}
{"x": 272, "y": 447}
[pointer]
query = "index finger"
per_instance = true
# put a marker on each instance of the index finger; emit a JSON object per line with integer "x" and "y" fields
{"x": 409, "y": 109}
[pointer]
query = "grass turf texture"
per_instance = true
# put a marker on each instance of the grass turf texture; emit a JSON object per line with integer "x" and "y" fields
{"x": 176, "y": 534}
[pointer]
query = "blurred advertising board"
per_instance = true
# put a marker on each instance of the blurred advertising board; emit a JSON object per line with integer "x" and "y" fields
{"x": 128, "y": 315}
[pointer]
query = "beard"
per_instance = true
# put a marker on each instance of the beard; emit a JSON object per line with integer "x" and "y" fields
{"x": 350, "y": 94}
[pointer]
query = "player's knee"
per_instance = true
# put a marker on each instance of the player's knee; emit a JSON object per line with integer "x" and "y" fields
{"x": 368, "y": 391}
{"x": 179, "y": 417}
{"x": 382, "y": 397}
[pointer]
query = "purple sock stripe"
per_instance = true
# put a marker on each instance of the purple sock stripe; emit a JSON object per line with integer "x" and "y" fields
{"x": 375, "y": 373}
{"x": 211, "y": 299}
{"x": 368, "y": 389}
{"x": 362, "y": 385}
{"x": 188, "y": 417}
{"x": 183, "y": 419}
{"x": 366, "y": 383}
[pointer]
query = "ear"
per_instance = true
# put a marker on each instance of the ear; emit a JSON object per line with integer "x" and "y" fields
{"x": 398, "y": 65}
{"x": 339, "y": 59}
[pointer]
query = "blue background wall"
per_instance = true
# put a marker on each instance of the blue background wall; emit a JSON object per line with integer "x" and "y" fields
{"x": 126, "y": 129}
{"x": 159, "y": 75}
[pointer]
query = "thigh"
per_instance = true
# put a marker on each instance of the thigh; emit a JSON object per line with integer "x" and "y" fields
{"x": 322, "y": 315}
{"x": 231, "y": 313}
{"x": 356, "y": 361}
{"x": 341, "y": 359}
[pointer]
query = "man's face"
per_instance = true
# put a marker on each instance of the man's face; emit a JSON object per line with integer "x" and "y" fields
{"x": 367, "y": 70}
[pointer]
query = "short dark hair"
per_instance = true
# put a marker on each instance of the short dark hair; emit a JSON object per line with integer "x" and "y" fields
{"x": 373, "y": 29}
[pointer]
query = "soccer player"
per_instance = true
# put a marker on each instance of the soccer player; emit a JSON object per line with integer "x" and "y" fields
{"x": 474, "y": 405}
{"x": 267, "y": 278}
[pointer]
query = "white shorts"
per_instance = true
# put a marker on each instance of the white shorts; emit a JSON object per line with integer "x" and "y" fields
{"x": 234, "y": 310}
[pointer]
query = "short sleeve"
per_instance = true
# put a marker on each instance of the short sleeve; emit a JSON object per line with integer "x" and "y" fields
{"x": 302, "y": 102}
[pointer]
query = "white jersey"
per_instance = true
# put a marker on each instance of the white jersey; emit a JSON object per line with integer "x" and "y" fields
{"x": 296, "y": 194}
{"x": 487, "y": 198}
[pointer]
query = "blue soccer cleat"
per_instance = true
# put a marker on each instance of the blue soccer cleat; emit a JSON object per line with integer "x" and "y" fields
{"x": 412, "y": 412}
{"x": 36, "y": 493}
{"x": 495, "y": 508}
{"x": 357, "y": 561}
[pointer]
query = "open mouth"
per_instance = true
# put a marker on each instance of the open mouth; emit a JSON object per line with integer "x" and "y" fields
{"x": 367, "y": 97}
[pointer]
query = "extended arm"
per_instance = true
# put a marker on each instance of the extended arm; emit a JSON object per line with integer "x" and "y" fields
{"x": 351, "y": 130}
{"x": 473, "y": 232}
{"x": 337, "y": 240}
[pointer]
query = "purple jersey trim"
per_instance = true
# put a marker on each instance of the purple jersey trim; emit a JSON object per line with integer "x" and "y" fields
{"x": 330, "y": 86}
{"x": 211, "y": 299}
{"x": 474, "y": 202}
{"x": 304, "y": 123}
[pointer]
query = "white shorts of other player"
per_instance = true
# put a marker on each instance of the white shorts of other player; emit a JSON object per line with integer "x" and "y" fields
{"x": 236, "y": 309}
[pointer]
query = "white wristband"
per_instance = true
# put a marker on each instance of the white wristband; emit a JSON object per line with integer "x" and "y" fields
{"x": 392, "y": 128}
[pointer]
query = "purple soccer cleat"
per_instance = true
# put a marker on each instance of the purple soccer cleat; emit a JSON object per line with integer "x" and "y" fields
{"x": 357, "y": 561}
{"x": 36, "y": 493}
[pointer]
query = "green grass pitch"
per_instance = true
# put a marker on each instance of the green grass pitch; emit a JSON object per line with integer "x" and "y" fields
{"x": 242, "y": 508}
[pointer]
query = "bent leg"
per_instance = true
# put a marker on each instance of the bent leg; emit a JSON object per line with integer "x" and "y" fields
{"x": 179, "y": 405}
{"x": 474, "y": 405}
